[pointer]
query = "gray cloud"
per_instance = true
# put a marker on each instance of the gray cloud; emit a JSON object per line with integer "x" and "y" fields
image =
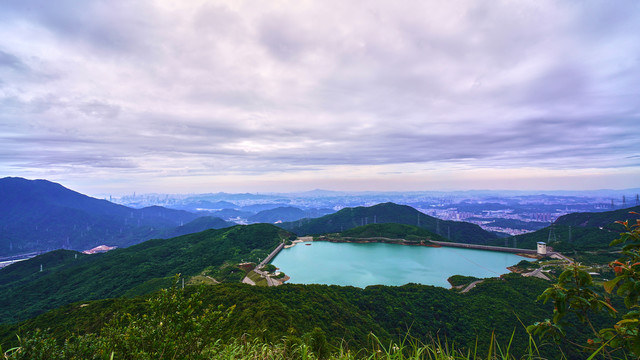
{"x": 11, "y": 61}
{"x": 219, "y": 88}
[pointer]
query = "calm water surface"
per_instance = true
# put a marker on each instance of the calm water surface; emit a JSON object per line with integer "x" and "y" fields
{"x": 387, "y": 264}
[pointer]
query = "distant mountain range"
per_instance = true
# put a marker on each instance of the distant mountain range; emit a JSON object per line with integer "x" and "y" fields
{"x": 39, "y": 215}
{"x": 349, "y": 218}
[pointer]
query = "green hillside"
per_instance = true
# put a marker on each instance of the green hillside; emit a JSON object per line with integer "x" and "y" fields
{"x": 391, "y": 231}
{"x": 200, "y": 224}
{"x": 578, "y": 231}
{"x": 349, "y": 218}
{"x": 344, "y": 315}
{"x": 25, "y": 291}
{"x": 600, "y": 219}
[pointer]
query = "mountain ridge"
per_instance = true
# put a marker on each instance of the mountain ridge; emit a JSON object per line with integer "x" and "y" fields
{"x": 39, "y": 215}
{"x": 348, "y": 218}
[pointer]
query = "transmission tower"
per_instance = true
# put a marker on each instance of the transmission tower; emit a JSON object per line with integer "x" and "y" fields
{"x": 552, "y": 235}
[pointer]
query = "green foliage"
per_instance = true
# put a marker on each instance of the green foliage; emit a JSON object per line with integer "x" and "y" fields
{"x": 392, "y": 231}
{"x": 183, "y": 324}
{"x": 350, "y": 218}
{"x": 576, "y": 294}
{"x": 177, "y": 326}
{"x": 269, "y": 268}
{"x": 346, "y": 315}
{"x": 576, "y": 232}
{"x": 458, "y": 280}
{"x": 139, "y": 269}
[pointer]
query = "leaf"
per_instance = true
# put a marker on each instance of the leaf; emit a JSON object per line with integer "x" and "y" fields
{"x": 607, "y": 305}
{"x": 627, "y": 321}
{"x": 609, "y": 285}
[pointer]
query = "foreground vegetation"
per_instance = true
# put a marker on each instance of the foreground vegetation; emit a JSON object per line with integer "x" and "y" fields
{"x": 236, "y": 321}
{"x": 178, "y": 324}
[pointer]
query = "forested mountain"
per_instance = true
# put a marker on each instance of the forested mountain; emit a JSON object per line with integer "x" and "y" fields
{"x": 391, "y": 231}
{"x": 344, "y": 315}
{"x": 200, "y": 224}
{"x": 348, "y": 218}
{"x": 605, "y": 219}
{"x": 66, "y": 276}
{"x": 287, "y": 214}
{"x": 577, "y": 231}
{"x": 283, "y": 214}
{"x": 38, "y": 215}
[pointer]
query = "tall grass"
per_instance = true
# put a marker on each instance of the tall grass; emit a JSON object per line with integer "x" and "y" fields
{"x": 407, "y": 348}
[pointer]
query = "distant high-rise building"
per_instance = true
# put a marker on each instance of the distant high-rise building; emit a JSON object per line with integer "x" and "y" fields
{"x": 624, "y": 201}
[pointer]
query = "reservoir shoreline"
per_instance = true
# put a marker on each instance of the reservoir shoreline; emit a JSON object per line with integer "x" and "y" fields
{"x": 352, "y": 266}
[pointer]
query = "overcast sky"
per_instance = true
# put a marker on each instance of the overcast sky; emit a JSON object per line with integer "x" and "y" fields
{"x": 118, "y": 96}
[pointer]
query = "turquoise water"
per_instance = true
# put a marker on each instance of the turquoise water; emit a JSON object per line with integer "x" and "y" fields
{"x": 387, "y": 264}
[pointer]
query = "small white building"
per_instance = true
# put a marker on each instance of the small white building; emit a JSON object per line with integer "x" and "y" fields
{"x": 542, "y": 248}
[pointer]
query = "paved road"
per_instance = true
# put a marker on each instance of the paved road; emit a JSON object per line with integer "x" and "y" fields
{"x": 538, "y": 273}
{"x": 471, "y": 286}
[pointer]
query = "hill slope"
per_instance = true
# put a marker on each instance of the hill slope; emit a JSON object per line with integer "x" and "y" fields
{"x": 349, "y": 218}
{"x": 391, "y": 231}
{"x": 578, "y": 231}
{"x": 38, "y": 215}
{"x": 198, "y": 225}
{"x": 346, "y": 315}
{"x": 26, "y": 291}
{"x": 283, "y": 214}
{"x": 605, "y": 219}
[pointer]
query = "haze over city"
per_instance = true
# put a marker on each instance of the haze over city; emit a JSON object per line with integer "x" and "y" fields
{"x": 206, "y": 96}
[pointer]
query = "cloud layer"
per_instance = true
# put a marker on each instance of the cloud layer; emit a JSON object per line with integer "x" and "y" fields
{"x": 222, "y": 92}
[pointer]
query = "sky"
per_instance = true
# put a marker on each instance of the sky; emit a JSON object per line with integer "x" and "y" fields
{"x": 115, "y": 96}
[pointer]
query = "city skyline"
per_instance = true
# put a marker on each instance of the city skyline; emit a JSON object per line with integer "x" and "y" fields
{"x": 207, "y": 96}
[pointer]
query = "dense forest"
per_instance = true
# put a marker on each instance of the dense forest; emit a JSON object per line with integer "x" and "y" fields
{"x": 345, "y": 315}
{"x": 577, "y": 232}
{"x": 349, "y": 218}
{"x": 67, "y": 276}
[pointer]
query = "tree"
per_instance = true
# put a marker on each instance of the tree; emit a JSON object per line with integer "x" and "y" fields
{"x": 575, "y": 293}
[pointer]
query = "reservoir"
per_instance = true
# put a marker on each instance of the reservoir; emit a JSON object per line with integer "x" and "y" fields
{"x": 387, "y": 264}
